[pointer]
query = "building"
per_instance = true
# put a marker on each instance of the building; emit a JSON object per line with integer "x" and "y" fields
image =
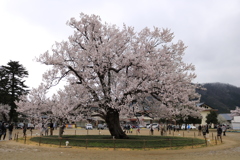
{"x": 225, "y": 118}
{"x": 206, "y": 110}
{"x": 236, "y": 122}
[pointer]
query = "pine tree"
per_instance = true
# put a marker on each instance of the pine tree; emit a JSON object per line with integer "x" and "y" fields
{"x": 4, "y": 96}
{"x": 212, "y": 118}
{"x": 12, "y": 85}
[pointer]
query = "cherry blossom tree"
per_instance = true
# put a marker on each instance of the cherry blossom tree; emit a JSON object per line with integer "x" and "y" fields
{"x": 235, "y": 112}
{"x": 111, "y": 68}
{"x": 39, "y": 109}
{"x": 34, "y": 106}
{"x": 160, "y": 111}
{"x": 179, "y": 114}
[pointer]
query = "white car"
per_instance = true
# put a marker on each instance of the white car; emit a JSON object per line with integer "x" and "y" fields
{"x": 19, "y": 126}
{"x": 155, "y": 125}
{"x": 30, "y": 126}
{"x": 188, "y": 126}
{"x": 89, "y": 126}
{"x": 193, "y": 127}
{"x": 100, "y": 126}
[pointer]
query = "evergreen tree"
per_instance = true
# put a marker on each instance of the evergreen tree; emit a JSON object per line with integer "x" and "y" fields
{"x": 12, "y": 85}
{"x": 4, "y": 96}
{"x": 212, "y": 118}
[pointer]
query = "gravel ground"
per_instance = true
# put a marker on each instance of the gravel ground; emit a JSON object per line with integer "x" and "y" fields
{"x": 228, "y": 150}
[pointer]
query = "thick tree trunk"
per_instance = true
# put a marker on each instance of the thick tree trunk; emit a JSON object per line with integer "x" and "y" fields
{"x": 112, "y": 120}
{"x": 61, "y": 128}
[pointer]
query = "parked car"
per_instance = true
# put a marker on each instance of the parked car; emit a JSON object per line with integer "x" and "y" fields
{"x": 100, "y": 126}
{"x": 188, "y": 126}
{"x": 30, "y": 126}
{"x": 89, "y": 126}
{"x": 193, "y": 127}
{"x": 147, "y": 125}
{"x": 155, "y": 125}
{"x": 139, "y": 126}
{"x": 229, "y": 127}
{"x": 19, "y": 126}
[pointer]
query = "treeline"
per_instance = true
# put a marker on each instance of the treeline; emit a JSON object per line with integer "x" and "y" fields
{"x": 224, "y": 97}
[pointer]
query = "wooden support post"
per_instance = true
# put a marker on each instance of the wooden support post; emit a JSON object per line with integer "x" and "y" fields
{"x": 192, "y": 141}
{"x": 205, "y": 140}
{"x": 86, "y": 143}
{"x": 170, "y": 143}
{"x": 60, "y": 142}
{"x": 114, "y": 144}
{"x": 144, "y": 144}
{"x": 40, "y": 140}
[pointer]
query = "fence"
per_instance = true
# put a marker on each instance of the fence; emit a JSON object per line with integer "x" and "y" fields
{"x": 168, "y": 142}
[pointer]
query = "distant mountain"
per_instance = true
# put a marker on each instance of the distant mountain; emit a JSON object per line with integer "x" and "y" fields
{"x": 224, "y": 97}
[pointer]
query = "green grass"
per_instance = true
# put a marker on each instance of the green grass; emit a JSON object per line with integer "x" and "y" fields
{"x": 105, "y": 141}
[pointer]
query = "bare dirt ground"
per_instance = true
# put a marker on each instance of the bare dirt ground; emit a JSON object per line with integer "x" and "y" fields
{"x": 228, "y": 150}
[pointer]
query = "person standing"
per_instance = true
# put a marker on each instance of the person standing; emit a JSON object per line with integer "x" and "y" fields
{"x": 207, "y": 129}
{"x": 24, "y": 129}
{"x": 188, "y": 127}
{"x": 177, "y": 128}
{"x": 46, "y": 129}
{"x": 199, "y": 129}
{"x": 3, "y": 131}
{"x": 10, "y": 129}
{"x": 62, "y": 129}
{"x": 219, "y": 132}
{"x": 204, "y": 131}
{"x": 162, "y": 129}
{"x": 138, "y": 129}
{"x": 224, "y": 129}
{"x": 128, "y": 128}
{"x": 0, "y": 130}
{"x": 42, "y": 129}
{"x": 55, "y": 125}
{"x": 131, "y": 128}
{"x": 151, "y": 129}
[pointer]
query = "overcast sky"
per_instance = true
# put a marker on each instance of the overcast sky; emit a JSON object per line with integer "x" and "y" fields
{"x": 210, "y": 29}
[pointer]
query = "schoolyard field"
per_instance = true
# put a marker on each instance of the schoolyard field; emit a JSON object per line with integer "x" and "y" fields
{"x": 229, "y": 148}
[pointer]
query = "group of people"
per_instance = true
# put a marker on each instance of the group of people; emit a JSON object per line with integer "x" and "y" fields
{"x": 45, "y": 127}
{"x": 204, "y": 129}
{"x": 221, "y": 129}
{"x": 3, "y": 130}
{"x": 128, "y": 128}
